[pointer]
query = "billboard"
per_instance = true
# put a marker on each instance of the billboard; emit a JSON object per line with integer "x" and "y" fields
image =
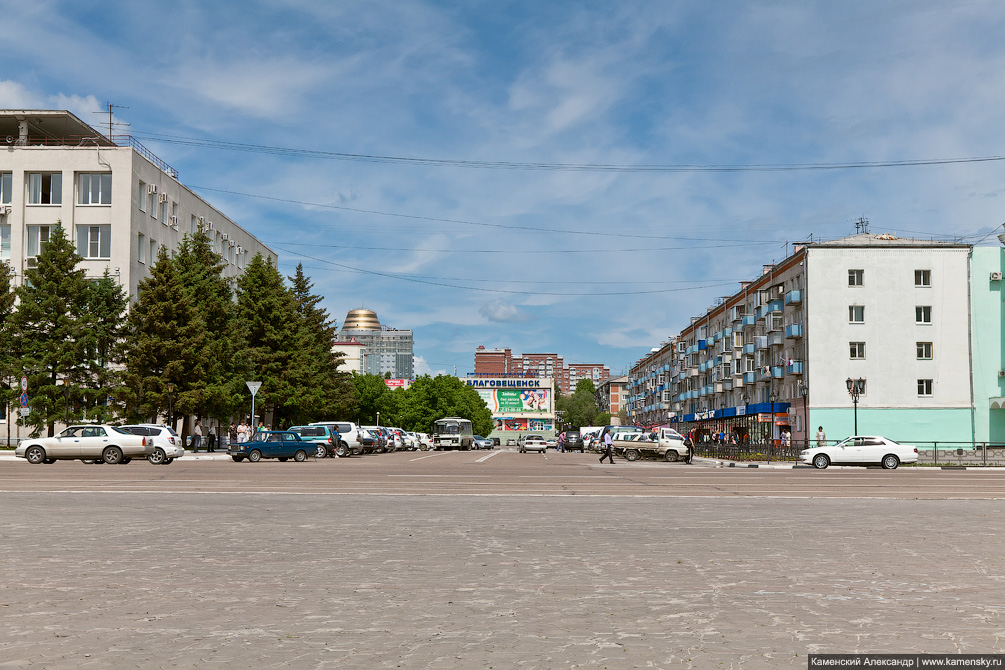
{"x": 517, "y": 401}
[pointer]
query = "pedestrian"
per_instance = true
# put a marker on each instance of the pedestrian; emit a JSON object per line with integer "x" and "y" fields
{"x": 689, "y": 443}
{"x": 821, "y": 438}
{"x": 561, "y": 442}
{"x": 261, "y": 426}
{"x": 242, "y": 432}
{"x": 785, "y": 438}
{"x": 211, "y": 439}
{"x": 608, "y": 448}
{"x": 196, "y": 437}
{"x": 231, "y": 434}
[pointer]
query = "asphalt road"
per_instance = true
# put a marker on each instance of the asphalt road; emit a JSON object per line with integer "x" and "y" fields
{"x": 445, "y": 560}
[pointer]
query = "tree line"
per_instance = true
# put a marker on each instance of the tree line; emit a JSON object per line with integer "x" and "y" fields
{"x": 187, "y": 344}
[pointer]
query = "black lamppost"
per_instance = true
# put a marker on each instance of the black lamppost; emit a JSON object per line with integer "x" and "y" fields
{"x": 856, "y": 387}
{"x": 170, "y": 388}
{"x": 66, "y": 388}
{"x": 804, "y": 391}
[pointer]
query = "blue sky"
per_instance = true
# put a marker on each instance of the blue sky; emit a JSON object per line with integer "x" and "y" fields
{"x": 503, "y": 244}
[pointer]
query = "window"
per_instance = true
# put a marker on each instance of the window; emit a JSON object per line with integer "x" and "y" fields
{"x": 152, "y": 203}
{"x": 164, "y": 212}
{"x": 856, "y": 277}
{"x": 925, "y": 387}
{"x": 923, "y": 314}
{"x": 4, "y": 241}
{"x": 856, "y": 314}
{"x": 94, "y": 188}
{"x": 45, "y": 188}
{"x": 922, "y": 277}
{"x": 5, "y": 187}
{"x": 143, "y": 196}
{"x": 924, "y": 351}
{"x": 153, "y": 251}
{"x": 37, "y": 237}
{"x": 94, "y": 241}
{"x": 141, "y": 247}
{"x": 857, "y": 349}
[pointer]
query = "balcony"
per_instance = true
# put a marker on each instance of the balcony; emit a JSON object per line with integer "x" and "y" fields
{"x": 777, "y": 371}
{"x": 794, "y": 368}
{"x": 793, "y": 331}
{"x": 702, "y": 345}
{"x": 749, "y": 377}
{"x": 749, "y": 348}
{"x": 761, "y": 342}
{"x": 724, "y": 385}
{"x": 793, "y": 297}
{"x": 748, "y": 321}
{"x": 775, "y": 338}
{"x": 774, "y": 306}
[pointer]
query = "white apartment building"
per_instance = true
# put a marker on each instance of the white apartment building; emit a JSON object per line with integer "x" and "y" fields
{"x": 777, "y": 354}
{"x": 116, "y": 200}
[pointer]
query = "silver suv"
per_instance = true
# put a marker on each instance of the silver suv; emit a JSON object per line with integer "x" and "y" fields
{"x": 167, "y": 443}
{"x": 349, "y": 435}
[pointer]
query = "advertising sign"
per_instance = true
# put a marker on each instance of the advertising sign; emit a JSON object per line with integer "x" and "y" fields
{"x": 517, "y": 401}
{"x": 519, "y": 424}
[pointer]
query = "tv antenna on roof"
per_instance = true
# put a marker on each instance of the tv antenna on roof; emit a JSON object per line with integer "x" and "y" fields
{"x": 862, "y": 225}
{"x": 109, "y": 106}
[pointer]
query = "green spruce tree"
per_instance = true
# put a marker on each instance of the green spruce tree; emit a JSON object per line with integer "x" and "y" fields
{"x": 105, "y": 321}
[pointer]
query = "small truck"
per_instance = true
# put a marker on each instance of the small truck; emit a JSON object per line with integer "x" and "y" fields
{"x": 664, "y": 443}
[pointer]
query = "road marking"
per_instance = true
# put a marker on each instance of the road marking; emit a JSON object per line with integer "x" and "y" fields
{"x": 442, "y": 453}
{"x": 487, "y": 457}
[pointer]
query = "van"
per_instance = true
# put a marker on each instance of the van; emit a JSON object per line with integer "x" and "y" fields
{"x": 348, "y": 434}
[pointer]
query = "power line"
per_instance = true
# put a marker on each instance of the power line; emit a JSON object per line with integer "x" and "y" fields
{"x": 522, "y": 252}
{"x": 434, "y": 219}
{"x": 567, "y": 167}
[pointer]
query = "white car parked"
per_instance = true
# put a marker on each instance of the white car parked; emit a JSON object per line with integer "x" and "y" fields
{"x": 167, "y": 443}
{"x": 87, "y": 442}
{"x": 861, "y": 450}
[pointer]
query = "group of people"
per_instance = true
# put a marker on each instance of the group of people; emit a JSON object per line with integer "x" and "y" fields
{"x": 242, "y": 432}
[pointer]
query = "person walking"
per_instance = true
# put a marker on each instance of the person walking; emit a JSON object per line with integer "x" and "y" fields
{"x": 821, "y": 437}
{"x": 211, "y": 439}
{"x": 231, "y": 434}
{"x": 196, "y": 437}
{"x": 608, "y": 448}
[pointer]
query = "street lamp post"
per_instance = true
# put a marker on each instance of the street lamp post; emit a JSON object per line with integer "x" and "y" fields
{"x": 170, "y": 389}
{"x": 804, "y": 391}
{"x": 855, "y": 388}
{"x": 66, "y": 385}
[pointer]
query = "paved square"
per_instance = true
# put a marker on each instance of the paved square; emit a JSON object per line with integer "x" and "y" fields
{"x": 156, "y": 580}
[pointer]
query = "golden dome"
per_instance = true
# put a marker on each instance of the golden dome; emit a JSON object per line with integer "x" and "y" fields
{"x": 361, "y": 319}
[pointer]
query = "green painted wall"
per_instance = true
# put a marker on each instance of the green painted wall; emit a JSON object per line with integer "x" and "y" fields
{"x": 989, "y": 346}
{"x": 911, "y": 426}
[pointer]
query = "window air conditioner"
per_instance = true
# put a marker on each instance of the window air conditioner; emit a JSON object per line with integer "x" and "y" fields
{"x": 232, "y": 243}
{"x": 224, "y": 236}
{"x": 4, "y": 210}
{"x": 210, "y": 225}
{"x": 31, "y": 262}
{"x": 996, "y": 276}
{"x": 174, "y": 221}
{"x": 163, "y": 197}
{"x": 151, "y": 188}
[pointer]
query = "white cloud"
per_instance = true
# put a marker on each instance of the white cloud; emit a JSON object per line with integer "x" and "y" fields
{"x": 421, "y": 367}
{"x": 501, "y": 311}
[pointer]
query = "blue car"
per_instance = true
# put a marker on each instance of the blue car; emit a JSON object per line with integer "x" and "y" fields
{"x": 281, "y": 444}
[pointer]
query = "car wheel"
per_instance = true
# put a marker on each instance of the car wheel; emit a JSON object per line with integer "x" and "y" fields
{"x": 820, "y": 461}
{"x": 321, "y": 451}
{"x": 238, "y": 459}
{"x": 255, "y": 456}
{"x": 632, "y": 455}
{"x": 342, "y": 450}
{"x": 111, "y": 455}
{"x": 671, "y": 456}
{"x": 282, "y": 459}
{"x": 890, "y": 462}
{"x": 158, "y": 457}
{"x": 35, "y": 455}
{"x": 357, "y": 452}
{"x": 300, "y": 456}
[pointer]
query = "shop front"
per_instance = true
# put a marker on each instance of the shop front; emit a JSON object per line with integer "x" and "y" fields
{"x": 757, "y": 424}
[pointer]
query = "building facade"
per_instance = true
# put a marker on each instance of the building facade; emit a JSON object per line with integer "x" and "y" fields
{"x": 117, "y": 202}
{"x": 519, "y": 404}
{"x": 380, "y": 349}
{"x": 918, "y": 322}
{"x": 611, "y": 395}
{"x": 502, "y": 361}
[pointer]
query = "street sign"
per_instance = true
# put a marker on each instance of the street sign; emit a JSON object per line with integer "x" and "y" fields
{"x": 24, "y": 383}
{"x": 253, "y": 387}
{"x": 24, "y": 399}
{"x": 25, "y": 411}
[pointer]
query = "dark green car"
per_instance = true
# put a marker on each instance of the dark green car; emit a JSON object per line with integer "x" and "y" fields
{"x": 281, "y": 444}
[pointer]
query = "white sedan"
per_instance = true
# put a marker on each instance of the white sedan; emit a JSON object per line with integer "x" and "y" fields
{"x": 107, "y": 443}
{"x": 861, "y": 450}
{"x": 533, "y": 443}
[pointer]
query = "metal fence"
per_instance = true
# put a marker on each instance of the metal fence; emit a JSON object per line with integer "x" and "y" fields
{"x": 960, "y": 454}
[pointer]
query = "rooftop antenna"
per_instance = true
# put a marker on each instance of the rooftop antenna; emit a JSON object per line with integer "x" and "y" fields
{"x": 108, "y": 110}
{"x": 862, "y": 225}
